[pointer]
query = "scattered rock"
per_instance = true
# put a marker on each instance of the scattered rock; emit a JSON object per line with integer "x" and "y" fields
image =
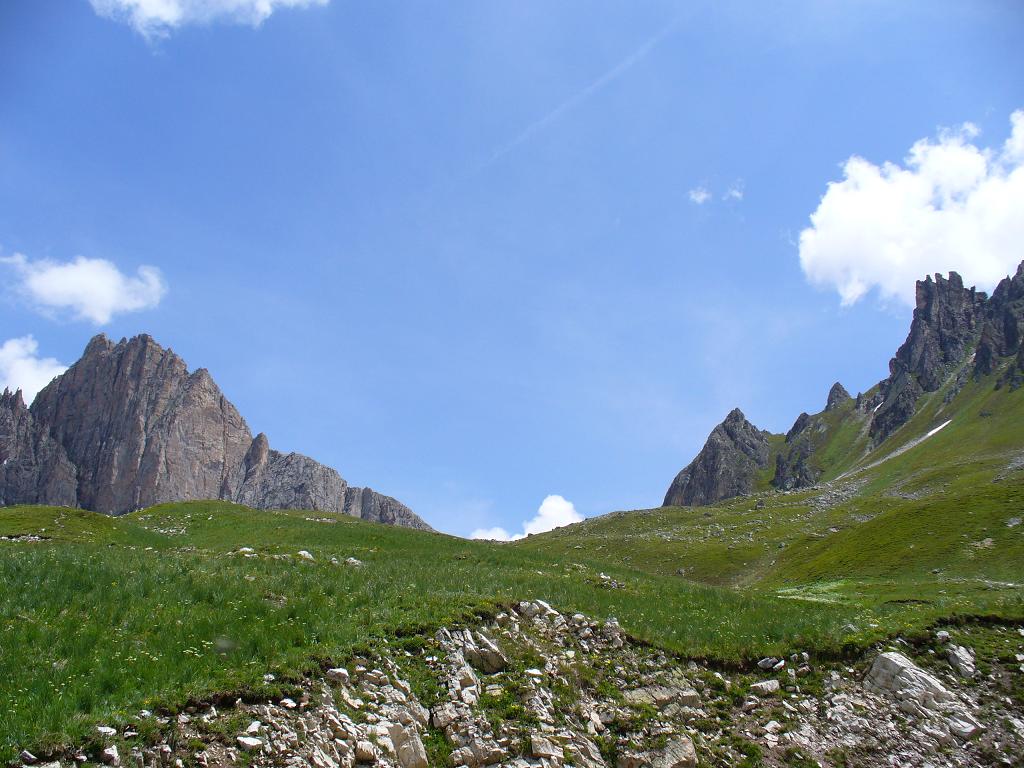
{"x": 249, "y": 743}
{"x": 765, "y": 687}
{"x": 338, "y": 674}
{"x": 962, "y": 660}
{"x": 545, "y": 748}
{"x": 895, "y": 674}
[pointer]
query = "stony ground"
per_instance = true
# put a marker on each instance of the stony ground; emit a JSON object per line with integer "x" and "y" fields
{"x": 536, "y": 689}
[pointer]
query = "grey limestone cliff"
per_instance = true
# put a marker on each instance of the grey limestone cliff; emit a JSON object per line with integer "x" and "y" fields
{"x": 128, "y": 426}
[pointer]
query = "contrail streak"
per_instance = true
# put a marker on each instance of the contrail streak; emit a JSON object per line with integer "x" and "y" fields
{"x": 573, "y": 101}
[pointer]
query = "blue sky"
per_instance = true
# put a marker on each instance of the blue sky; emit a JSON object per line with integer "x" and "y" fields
{"x": 473, "y": 254}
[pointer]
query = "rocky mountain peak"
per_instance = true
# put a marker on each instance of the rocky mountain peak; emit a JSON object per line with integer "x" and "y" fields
{"x": 837, "y": 396}
{"x": 129, "y": 426}
{"x": 727, "y": 466}
{"x": 13, "y": 400}
{"x": 946, "y": 323}
{"x": 99, "y": 344}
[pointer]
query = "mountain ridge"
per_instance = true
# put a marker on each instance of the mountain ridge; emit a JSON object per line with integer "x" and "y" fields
{"x": 957, "y": 333}
{"x": 128, "y": 426}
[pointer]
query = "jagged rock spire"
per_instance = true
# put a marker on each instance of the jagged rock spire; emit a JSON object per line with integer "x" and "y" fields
{"x": 727, "y": 465}
{"x": 837, "y": 396}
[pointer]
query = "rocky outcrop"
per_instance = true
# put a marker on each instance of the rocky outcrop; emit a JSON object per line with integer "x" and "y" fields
{"x": 129, "y": 426}
{"x": 919, "y": 693}
{"x": 288, "y": 480}
{"x": 370, "y": 505}
{"x": 837, "y": 397}
{"x": 947, "y": 320}
{"x": 728, "y": 464}
{"x": 793, "y": 465}
{"x": 950, "y": 323}
{"x": 32, "y": 464}
{"x": 1003, "y": 330}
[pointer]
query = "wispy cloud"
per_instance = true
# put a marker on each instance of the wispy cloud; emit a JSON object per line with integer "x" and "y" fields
{"x": 158, "y": 18}
{"x": 581, "y": 96}
{"x": 699, "y": 195}
{"x": 734, "y": 192}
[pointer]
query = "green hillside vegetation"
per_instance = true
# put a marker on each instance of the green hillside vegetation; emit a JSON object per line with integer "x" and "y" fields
{"x": 106, "y": 616}
{"x": 916, "y": 527}
{"x": 837, "y": 440}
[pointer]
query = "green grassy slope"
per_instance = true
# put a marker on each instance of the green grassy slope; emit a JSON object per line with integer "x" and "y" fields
{"x": 914, "y": 529}
{"x": 108, "y": 616}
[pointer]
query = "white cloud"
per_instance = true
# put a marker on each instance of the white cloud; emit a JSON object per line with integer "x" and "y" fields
{"x": 734, "y": 192}
{"x": 554, "y": 512}
{"x": 952, "y": 205}
{"x": 93, "y": 289}
{"x": 157, "y": 18}
{"x": 699, "y": 195}
{"x": 22, "y": 368}
{"x": 495, "y": 534}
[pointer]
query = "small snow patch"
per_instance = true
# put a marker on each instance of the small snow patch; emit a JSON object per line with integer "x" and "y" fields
{"x": 938, "y": 428}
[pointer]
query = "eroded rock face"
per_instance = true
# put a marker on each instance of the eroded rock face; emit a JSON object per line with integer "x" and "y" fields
{"x": 1003, "y": 330}
{"x": 32, "y": 464}
{"x": 129, "y": 426}
{"x": 946, "y": 323}
{"x": 793, "y": 465}
{"x": 727, "y": 466}
{"x": 140, "y": 429}
{"x": 949, "y": 321}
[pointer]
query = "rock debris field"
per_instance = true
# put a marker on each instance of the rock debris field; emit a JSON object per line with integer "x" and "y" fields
{"x": 534, "y": 688}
